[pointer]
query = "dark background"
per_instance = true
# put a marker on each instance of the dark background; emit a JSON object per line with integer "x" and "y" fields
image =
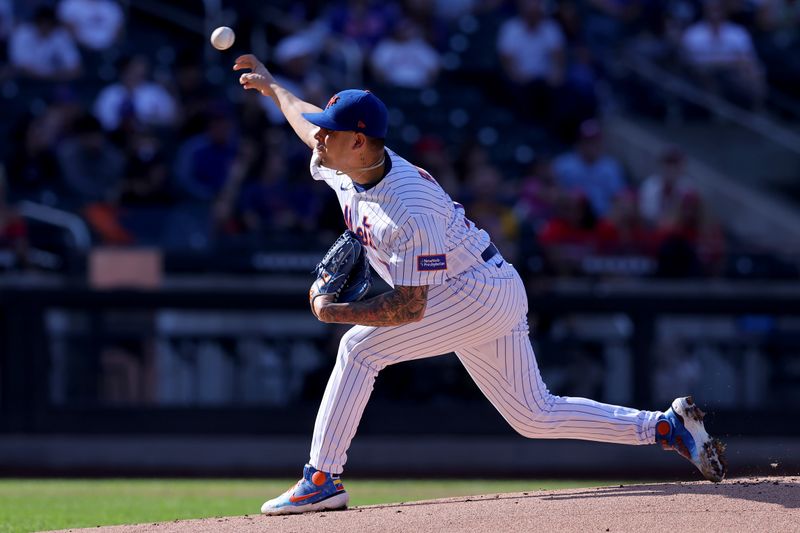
{"x": 156, "y": 253}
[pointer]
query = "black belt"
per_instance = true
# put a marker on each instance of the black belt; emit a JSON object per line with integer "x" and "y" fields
{"x": 489, "y": 252}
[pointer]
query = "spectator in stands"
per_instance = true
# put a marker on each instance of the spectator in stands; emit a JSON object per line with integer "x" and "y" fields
{"x": 66, "y": 106}
{"x": 264, "y": 196}
{"x": 92, "y": 170}
{"x": 203, "y": 162}
{"x": 472, "y": 155}
{"x": 135, "y": 95}
{"x": 778, "y": 43}
{"x": 539, "y": 194}
{"x": 590, "y": 170}
{"x": 90, "y": 165}
{"x": 32, "y": 165}
{"x": 574, "y": 233}
{"x": 13, "y": 231}
{"x": 691, "y": 242}
{"x": 568, "y": 16}
{"x": 531, "y": 49}
{"x": 779, "y": 17}
{"x": 721, "y": 56}
{"x": 577, "y": 99}
{"x": 608, "y": 22}
{"x": 488, "y": 200}
{"x": 272, "y": 202}
{"x": 433, "y": 156}
{"x": 146, "y": 171}
{"x": 432, "y": 26}
{"x": 44, "y": 49}
{"x": 226, "y": 218}
{"x": 193, "y": 92}
{"x": 661, "y": 193}
{"x": 95, "y": 24}
{"x": 295, "y": 56}
{"x": 364, "y": 21}
{"x": 253, "y": 122}
{"x": 632, "y": 234}
{"x": 405, "y": 59}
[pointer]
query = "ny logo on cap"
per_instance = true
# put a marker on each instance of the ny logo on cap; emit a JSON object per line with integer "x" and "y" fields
{"x": 333, "y": 100}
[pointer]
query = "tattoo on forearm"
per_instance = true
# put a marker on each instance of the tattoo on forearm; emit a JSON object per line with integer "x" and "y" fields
{"x": 396, "y": 307}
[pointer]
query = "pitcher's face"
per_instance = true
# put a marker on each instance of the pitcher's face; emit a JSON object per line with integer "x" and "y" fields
{"x": 336, "y": 149}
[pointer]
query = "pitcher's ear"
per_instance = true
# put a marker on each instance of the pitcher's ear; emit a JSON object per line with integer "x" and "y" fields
{"x": 359, "y": 140}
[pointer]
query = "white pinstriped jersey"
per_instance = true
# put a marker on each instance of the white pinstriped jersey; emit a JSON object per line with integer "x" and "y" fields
{"x": 413, "y": 232}
{"x": 416, "y": 235}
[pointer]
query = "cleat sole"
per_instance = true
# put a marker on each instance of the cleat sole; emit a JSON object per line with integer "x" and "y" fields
{"x": 336, "y": 502}
{"x": 709, "y": 455}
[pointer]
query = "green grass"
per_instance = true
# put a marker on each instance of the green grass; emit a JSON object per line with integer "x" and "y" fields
{"x": 35, "y": 505}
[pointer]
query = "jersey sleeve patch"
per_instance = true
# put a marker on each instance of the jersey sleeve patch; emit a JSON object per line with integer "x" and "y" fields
{"x": 427, "y": 263}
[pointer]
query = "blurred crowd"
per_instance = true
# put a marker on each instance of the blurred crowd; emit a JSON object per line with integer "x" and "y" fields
{"x": 153, "y": 146}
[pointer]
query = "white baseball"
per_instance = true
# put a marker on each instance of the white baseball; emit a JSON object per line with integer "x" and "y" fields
{"x": 222, "y": 38}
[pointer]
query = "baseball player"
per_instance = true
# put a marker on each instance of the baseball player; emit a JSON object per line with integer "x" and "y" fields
{"x": 452, "y": 291}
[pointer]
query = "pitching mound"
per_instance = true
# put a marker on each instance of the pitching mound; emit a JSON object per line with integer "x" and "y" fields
{"x": 752, "y": 504}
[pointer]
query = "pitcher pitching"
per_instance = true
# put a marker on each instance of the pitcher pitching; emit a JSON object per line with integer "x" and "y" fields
{"x": 452, "y": 291}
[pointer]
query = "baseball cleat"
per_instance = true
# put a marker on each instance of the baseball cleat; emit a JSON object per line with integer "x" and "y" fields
{"x": 681, "y": 429}
{"x": 316, "y": 491}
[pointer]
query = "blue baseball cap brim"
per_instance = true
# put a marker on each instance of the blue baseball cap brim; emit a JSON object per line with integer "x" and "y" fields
{"x": 323, "y": 121}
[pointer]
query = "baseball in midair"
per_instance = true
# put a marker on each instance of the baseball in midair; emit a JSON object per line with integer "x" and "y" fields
{"x": 222, "y": 38}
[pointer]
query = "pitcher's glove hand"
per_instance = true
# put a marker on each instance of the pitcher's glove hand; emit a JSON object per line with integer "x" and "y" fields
{"x": 343, "y": 273}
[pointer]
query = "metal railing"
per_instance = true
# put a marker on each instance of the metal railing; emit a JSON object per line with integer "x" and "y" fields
{"x": 671, "y": 83}
{"x": 69, "y": 222}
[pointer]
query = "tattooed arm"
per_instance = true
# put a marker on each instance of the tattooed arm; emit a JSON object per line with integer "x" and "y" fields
{"x": 402, "y": 305}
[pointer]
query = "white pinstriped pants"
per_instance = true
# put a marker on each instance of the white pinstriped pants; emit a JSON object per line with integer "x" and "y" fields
{"x": 481, "y": 316}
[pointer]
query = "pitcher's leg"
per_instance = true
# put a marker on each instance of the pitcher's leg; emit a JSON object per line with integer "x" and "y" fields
{"x": 346, "y": 395}
{"x": 451, "y": 318}
{"x": 507, "y": 373}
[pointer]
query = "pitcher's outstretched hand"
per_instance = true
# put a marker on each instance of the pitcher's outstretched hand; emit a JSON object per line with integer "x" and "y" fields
{"x": 259, "y": 78}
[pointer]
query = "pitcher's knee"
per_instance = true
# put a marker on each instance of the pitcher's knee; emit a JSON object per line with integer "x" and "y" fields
{"x": 353, "y": 352}
{"x": 542, "y": 410}
{"x": 534, "y": 423}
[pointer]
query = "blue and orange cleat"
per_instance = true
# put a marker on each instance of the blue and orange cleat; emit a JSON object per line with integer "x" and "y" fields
{"x": 317, "y": 491}
{"x": 681, "y": 429}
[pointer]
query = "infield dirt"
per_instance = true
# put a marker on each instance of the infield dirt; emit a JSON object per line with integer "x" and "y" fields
{"x": 746, "y": 504}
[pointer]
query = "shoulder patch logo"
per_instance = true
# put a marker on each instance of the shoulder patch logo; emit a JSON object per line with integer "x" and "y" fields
{"x": 427, "y": 263}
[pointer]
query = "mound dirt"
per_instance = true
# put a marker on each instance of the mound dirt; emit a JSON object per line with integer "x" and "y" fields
{"x": 747, "y": 504}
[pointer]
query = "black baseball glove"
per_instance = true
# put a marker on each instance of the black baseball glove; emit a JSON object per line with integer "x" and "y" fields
{"x": 343, "y": 272}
